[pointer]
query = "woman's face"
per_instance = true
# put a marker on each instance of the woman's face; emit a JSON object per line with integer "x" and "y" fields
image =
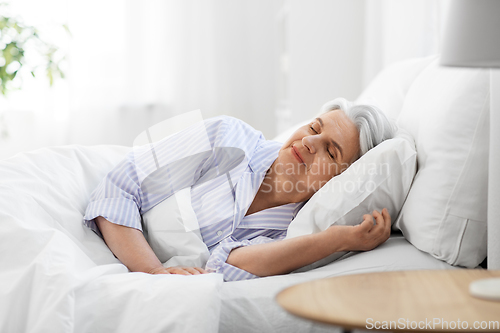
{"x": 317, "y": 152}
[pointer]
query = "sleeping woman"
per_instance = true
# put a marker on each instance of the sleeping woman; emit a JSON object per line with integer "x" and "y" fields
{"x": 245, "y": 191}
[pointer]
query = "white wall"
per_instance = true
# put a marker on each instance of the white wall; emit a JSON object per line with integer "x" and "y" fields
{"x": 326, "y": 52}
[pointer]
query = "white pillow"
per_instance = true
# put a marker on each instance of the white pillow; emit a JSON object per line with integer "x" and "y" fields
{"x": 379, "y": 179}
{"x": 388, "y": 89}
{"x": 446, "y": 111}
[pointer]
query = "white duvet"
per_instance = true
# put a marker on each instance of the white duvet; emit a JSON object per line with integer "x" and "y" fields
{"x": 56, "y": 275}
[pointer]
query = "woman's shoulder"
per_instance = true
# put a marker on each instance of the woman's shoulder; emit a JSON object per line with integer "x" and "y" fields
{"x": 233, "y": 126}
{"x": 227, "y": 131}
{"x": 229, "y": 120}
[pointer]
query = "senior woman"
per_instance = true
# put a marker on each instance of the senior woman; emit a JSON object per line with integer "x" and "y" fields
{"x": 244, "y": 223}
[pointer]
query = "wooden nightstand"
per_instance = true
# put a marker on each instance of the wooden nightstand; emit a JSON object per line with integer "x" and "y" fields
{"x": 427, "y": 300}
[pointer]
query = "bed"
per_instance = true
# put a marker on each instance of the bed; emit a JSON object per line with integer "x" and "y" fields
{"x": 58, "y": 276}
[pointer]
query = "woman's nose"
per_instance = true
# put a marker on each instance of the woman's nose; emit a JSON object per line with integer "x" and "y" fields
{"x": 309, "y": 143}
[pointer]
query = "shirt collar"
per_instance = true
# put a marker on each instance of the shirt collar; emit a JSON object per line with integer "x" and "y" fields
{"x": 264, "y": 156}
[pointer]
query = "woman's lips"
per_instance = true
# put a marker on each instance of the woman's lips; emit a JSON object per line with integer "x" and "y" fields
{"x": 297, "y": 155}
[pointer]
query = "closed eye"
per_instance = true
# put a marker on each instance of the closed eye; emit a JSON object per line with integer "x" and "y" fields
{"x": 334, "y": 144}
{"x": 329, "y": 153}
{"x": 316, "y": 132}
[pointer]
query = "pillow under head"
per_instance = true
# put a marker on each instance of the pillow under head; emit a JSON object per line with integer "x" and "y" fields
{"x": 379, "y": 179}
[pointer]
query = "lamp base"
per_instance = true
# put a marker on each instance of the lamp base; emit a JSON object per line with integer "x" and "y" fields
{"x": 486, "y": 289}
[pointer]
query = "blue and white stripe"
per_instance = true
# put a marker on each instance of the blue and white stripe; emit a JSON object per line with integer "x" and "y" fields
{"x": 222, "y": 187}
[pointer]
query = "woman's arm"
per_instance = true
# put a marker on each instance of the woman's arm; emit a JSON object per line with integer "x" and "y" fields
{"x": 132, "y": 249}
{"x": 285, "y": 256}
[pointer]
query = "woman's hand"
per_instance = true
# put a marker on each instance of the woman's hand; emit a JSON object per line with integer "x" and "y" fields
{"x": 181, "y": 270}
{"x": 367, "y": 235}
{"x": 286, "y": 255}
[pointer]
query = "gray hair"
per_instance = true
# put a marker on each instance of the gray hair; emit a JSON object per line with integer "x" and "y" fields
{"x": 372, "y": 124}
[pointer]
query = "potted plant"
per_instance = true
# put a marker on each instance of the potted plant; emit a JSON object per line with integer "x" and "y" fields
{"x": 16, "y": 41}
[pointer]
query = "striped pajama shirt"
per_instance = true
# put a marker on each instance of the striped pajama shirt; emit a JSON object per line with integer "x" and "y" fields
{"x": 224, "y": 161}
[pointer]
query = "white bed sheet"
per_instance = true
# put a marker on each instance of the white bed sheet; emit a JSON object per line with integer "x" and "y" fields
{"x": 58, "y": 276}
{"x": 250, "y": 306}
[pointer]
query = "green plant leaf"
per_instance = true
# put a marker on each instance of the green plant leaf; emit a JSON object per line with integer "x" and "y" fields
{"x": 13, "y": 51}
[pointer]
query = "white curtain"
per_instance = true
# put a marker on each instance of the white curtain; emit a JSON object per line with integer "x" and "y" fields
{"x": 133, "y": 63}
{"x": 145, "y": 61}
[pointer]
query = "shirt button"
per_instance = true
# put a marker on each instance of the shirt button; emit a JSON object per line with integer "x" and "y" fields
{"x": 219, "y": 232}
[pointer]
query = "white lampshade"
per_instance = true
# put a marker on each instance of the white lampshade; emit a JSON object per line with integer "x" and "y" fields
{"x": 472, "y": 35}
